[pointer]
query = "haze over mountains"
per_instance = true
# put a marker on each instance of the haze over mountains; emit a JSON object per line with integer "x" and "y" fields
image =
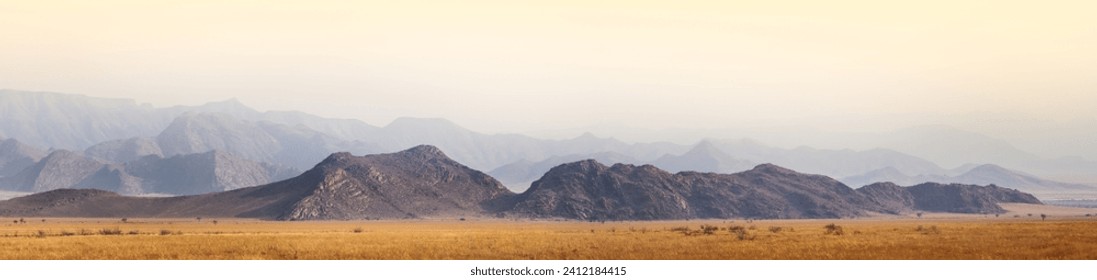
{"x": 119, "y": 145}
{"x": 422, "y": 182}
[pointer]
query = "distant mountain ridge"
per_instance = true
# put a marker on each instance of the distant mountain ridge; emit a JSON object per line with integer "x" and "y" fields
{"x": 422, "y": 182}
{"x": 985, "y": 174}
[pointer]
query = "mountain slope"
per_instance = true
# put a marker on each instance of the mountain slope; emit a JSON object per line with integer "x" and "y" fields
{"x": 60, "y": 169}
{"x": 118, "y": 151}
{"x": 16, "y": 156}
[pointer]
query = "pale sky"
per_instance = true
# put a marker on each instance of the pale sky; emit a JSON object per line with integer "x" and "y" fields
{"x": 514, "y": 66}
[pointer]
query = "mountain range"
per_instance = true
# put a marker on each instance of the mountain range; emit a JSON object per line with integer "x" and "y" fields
{"x": 422, "y": 182}
{"x": 114, "y": 132}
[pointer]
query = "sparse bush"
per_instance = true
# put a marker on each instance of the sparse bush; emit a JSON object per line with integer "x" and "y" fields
{"x": 775, "y": 229}
{"x": 85, "y": 232}
{"x": 125, "y": 220}
{"x": 1043, "y": 217}
{"x": 1089, "y": 215}
{"x": 134, "y": 232}
{"x": 927, "y": 230}
{"x": 709, "y": 229}
{"x": 67, "y": 233}
{"x": 919, "y": 215}
{"x": 165, "y": 232}
{"x": 1030, "y": 214}
{"x": 679, "y": 229}
{"x": 214, "y": 222}
{"x": 752, "y": 227}
{"x": 41, "y": 234}
{"x": 834, "y": 229}
{"x": 358, "y": 230}
{"x": 110, "y": 231}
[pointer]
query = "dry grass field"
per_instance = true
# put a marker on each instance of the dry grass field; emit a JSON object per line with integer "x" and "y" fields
{"x": 931, "y": 237}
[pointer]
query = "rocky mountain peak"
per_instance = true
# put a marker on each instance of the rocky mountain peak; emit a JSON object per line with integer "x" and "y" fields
{"x": 425, "y": 152}
{"x": 770, "y": 168}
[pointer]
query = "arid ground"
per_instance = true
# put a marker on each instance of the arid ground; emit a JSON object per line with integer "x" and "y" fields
{"x": 1066, "y": 233}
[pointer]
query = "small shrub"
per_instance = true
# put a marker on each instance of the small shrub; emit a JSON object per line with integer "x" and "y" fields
{"x": 775, "y": 229}
{"x": 41, "y": 234}
{"x": 85, "y": 232}
{"x": 358, "y": 230}
{"x": 740, "y": 233}
{"x": 134, "y": 232}
{"x": 67, "y": 233}
{"x": 214, "y": 222}
{"x": 1043, "y": 217}
{"x": 1089, "y": 215}
{"x": 165, "y": 232}
{"x": 679, "y": 229}
{"x": 834, "y": 229}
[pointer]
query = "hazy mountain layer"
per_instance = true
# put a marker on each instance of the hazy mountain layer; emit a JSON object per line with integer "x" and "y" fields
{"x": 212, "y": 171}
{"x": 986, "y": 174}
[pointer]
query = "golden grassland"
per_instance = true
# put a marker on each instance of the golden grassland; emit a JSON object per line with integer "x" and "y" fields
{"x": 973, "y": 237}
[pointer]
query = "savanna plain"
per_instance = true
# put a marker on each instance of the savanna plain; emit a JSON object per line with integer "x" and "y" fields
{"x": 1015, "y": 235}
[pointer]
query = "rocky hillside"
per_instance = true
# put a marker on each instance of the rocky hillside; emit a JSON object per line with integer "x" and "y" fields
{"x": 934, "y": 197}
{"x": 415, "y": 183}
{"x": 589, "y": 190}
{"x": 418, "y": 182}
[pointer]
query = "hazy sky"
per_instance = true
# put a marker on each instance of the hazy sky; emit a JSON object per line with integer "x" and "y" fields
{"x": 541, "y": 65}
